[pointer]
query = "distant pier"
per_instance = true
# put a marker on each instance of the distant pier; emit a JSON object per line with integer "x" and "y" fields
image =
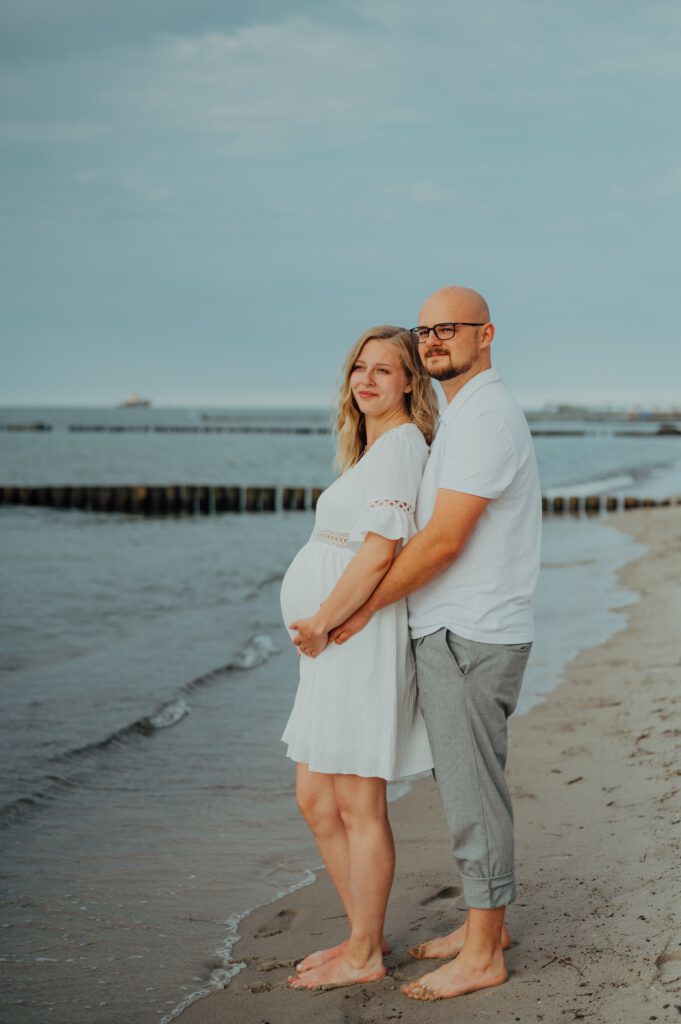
{"x": 663, "y": 430}
{"x": 207, "y": 499}
{"x": 172, "y": 428}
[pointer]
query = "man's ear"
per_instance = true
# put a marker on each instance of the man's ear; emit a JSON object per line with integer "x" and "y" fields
{"x": 487, "y": 336}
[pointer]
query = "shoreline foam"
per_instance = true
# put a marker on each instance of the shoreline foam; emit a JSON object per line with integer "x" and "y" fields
{"x": 593, "y": 779}
{"x": 229, "y": 968}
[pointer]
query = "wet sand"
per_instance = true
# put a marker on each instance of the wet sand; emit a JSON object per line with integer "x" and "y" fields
{"x": 596, "y": 777}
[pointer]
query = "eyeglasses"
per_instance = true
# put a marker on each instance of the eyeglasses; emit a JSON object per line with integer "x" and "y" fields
{"x": 443, "y": 332}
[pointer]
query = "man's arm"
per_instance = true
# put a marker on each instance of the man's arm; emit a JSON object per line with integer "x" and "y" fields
{"x": 426, "y": 555}
{"x": 361, "y": 577}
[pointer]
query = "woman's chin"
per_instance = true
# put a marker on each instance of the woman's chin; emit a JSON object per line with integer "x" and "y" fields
{"x": 365, "y": 405}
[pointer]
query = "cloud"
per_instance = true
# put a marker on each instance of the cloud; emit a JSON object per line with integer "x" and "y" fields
{"x": 43, "y": 29}
{"x": 23, "y": 132}
{"x": 161, "y": 160}
{"x": 270, "y": 86}
{"x": 420, "y": 193}
{"x": 136, "y": 183}
{"x": 303, "y": 81}
{"x": 667, "y": 184}
{"x": 273, "y": 87}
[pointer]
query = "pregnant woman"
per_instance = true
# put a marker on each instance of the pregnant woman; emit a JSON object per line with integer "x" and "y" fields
{"x": 355, "y": 724}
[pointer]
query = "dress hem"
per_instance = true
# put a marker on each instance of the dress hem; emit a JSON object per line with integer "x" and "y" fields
{"x": 394, "y": 776}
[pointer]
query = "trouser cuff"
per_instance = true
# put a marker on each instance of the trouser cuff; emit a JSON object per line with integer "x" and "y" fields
{"x": 489, "y": 893}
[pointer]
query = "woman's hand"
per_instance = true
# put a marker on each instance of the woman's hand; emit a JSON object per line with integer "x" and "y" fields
{"x": 313, "y": 635}
{"x": 352, "y": 625}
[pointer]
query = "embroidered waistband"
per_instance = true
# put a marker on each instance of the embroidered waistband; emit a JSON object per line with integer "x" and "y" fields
{"x": 334, "y": 537}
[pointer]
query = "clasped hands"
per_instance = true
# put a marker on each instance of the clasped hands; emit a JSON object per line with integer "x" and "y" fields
{"x": 314, "y": 634}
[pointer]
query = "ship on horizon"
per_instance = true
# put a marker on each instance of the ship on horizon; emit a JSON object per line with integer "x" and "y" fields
{"x": 134, "y": 401}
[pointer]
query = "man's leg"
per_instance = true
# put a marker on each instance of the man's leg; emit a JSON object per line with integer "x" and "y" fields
{"x": 444, "y": 947}
{"x": 467, "y": 690}
{"x": 480, "y": 964}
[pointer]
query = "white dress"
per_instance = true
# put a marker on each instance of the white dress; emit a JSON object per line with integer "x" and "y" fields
{"x": 356, "y": 708}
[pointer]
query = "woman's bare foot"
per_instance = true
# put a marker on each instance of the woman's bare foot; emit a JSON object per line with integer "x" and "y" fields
{"x": 455, "y": 979}
{"x": 322, "y": 955}
{"x": 449, "y": 945}
{"x": 338, "y": 972}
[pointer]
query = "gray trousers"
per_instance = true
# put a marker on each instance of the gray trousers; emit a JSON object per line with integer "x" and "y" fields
{"x": 467, "y": 690}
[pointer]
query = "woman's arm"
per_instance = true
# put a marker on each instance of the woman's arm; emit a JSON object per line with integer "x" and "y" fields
{"x": 358, "y": 582}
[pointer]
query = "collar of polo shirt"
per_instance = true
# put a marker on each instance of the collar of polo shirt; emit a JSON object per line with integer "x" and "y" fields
{"x": 490, "y": 376}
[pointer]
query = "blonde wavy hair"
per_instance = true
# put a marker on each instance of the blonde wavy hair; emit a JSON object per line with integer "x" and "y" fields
{"x": 420, "y": 403}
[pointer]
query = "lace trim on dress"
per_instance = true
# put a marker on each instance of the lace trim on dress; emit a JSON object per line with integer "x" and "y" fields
{"x": 334, "y": 537}
{"x": 324, "y": 536}
{"x": 403, "y": 506}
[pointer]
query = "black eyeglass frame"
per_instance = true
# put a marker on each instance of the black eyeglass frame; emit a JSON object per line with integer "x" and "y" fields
{"x": 414, "y": 331}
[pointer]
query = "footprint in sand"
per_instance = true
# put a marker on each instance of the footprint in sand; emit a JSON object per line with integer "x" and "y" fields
{"x": 274, "y": 965}
{"x": 668, "y": 966}
{"x": 450, "y": 892}
{"x": 281, "y": 922}
{"x": 255, "y": 988}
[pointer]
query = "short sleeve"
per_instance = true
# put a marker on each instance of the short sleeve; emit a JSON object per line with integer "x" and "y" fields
{"x": 479, "y": 458}
{"x": 394, "y": 469}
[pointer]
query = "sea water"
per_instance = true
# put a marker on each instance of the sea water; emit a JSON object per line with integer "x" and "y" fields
{"x": 145, "y": 679}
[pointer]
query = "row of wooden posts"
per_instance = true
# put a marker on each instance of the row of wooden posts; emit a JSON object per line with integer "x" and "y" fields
{"x": 177, "y": 499}
{"x": 193, "y": 499}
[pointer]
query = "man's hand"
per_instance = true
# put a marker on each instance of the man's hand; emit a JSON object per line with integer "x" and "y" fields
{"x": 312, "y": 636}
{"x": 356, "y": 622}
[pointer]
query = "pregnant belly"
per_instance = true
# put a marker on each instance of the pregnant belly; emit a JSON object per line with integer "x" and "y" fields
{"x": 310, "y": 578}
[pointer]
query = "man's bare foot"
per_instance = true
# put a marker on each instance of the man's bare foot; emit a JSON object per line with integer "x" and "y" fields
{"x": 457, "y": 978}
{"x": 338, "y": 972}
{"x": 322, "y": 955}
{"x": 449, "y": 945}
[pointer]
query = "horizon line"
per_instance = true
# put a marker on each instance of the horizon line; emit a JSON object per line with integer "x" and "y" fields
{"x": 548, "y": 407}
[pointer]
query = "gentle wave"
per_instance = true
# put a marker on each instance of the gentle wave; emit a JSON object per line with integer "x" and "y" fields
{"x": 221, "y": 976}
{"x": 170, "y": 714}
{"x": 650, "y": 480}
{"x": 585, "y": 487}
{"x": 258, "y": 650}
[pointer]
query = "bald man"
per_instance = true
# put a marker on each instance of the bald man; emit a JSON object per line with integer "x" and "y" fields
{"x": 469, "y": 574}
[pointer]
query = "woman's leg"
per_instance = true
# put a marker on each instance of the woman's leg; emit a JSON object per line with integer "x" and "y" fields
{"x": 316, "y": 798}
{"x": 363, "y": 811}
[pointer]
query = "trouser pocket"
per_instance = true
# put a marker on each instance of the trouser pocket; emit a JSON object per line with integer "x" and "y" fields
{"x": 460, "y": 650}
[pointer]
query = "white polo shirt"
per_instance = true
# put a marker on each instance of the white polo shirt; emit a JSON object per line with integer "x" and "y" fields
{"x": 483, "y": 446}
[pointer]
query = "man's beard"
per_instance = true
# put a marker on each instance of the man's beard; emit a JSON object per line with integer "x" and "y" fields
{"x": 448, "y": 372}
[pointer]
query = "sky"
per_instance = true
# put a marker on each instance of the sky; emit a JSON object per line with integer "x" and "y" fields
{"x": 207, "y": 202}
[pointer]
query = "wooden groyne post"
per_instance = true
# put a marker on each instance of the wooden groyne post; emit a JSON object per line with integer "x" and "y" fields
{"x": 208, "y": 499}
{"x": 594, "y": 504}
{"x": 174, "y": 499}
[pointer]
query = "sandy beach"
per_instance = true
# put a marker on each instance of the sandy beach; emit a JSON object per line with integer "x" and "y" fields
{"x": 596, "y": 777}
